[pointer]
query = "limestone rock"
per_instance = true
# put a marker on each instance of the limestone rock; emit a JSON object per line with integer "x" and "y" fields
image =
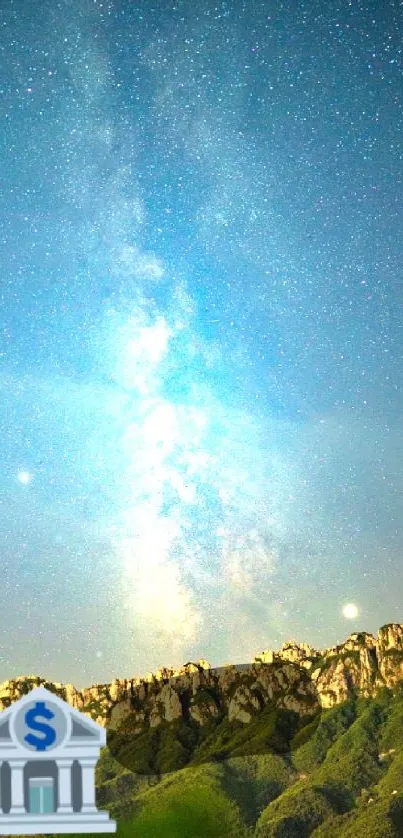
{"x": 389, "y": 649}
{"x": 290, "y": 651}
{"x": 296, "y": 652}
{"x": 390, "y": 637}
{"x": 166, "y": 705}
{"x": 118, "y": 713}
{"x": 359, "y": 639}
{"x": 227, "y": 677}
{"x": 171, "y": 703}
{"x": 202, "y": 708}
{"x": 296, "y": 677}
{"x": 118, "y": 689}
{"x": 241, "y": 704}
{"x": 204, "y": 664}
{"x": 265, "y": 657}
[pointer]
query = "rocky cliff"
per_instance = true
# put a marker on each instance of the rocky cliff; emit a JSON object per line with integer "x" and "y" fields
{"x": 297, "y": 677}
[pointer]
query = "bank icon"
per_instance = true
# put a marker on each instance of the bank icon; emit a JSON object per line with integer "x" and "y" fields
{"x": 48, "y": 754}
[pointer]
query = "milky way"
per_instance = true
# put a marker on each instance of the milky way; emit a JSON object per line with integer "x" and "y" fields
{"x": 200, "y": 331}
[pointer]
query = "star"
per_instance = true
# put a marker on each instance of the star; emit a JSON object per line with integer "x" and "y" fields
{"x": 350, "y": 611}
{"x": 24, "y": 477}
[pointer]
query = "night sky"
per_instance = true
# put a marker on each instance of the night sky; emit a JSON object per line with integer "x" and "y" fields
{"x": 201, "y": 295}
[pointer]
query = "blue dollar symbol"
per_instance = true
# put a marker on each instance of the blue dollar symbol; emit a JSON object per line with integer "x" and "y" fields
{"x": 40, "y": 709}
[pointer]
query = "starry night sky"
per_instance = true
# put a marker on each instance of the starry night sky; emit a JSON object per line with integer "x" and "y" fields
{"x": 200, "y": 330}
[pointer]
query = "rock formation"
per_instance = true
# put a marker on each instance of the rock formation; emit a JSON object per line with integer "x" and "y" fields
{"x": 297, "y": 677}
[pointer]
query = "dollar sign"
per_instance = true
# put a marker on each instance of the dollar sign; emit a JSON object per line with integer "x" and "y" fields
{"x": 40, "y": 709}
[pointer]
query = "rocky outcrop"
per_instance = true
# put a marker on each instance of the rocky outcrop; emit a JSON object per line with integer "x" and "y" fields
{"x": 390, "y": 637}
{"x": 291, "y": 651}
{"x": 119, "y": 712}
{"x": 390, "y": 653}
{"x": 166, "y": 706}
{"x": 297, "y": 677}
{"x": 348, "y": 668}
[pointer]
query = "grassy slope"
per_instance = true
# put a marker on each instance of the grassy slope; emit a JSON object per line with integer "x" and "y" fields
{"x": 264, "y": 795}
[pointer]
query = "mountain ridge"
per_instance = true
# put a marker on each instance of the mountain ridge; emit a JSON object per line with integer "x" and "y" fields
{"x": 298, "y": 743}
{"x": 362, "y": 663}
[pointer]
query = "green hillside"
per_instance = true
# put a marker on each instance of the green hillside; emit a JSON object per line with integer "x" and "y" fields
{"x": 336, "y": 775}
{"x": 341, "y": 774}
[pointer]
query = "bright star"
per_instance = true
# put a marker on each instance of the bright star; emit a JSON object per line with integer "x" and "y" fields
{"x": 24, "y": 477}
{"x": 350, "y": 611}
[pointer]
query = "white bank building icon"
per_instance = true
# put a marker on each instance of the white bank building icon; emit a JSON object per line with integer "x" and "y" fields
{"x": 48, "y": 754}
